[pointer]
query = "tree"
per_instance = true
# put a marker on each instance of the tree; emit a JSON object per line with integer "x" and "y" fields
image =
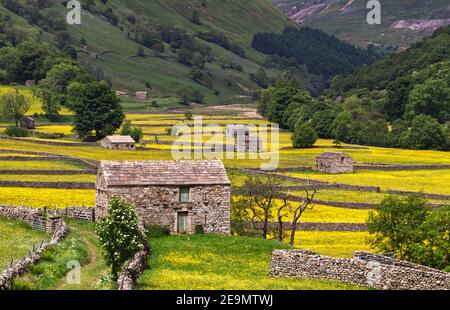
{"x": 195, "y": 18}
{"x": 321, "y": 122}
{"x": 430, "y": 98}
{"x": 426, "y": 133}
{"x": 96, "y": 109}
{"x": 340, "y": 128}
{"x": 413, "y": 231}
{"x": 188, "y": 115}
{"x": 119, "y": 235}
{"x": 53, "y": 89}
{"x": 137, "y": 134}
{"x": 434, "y": 250}
{"x": 189, "y": 94}
{"x": 14, "y": 106}
{"x": 126, "y": 129}
{"x": 394, "y": 225}
{"x": 304, "y": 136}
{"x": 281, "y": 99}
{"x": 258, "y": 197}
{"x": 299, "y": 210}
{"x": 265, "y": 99}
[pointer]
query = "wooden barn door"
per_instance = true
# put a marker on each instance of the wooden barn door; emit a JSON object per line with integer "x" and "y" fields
{"x": 182, "y": 222}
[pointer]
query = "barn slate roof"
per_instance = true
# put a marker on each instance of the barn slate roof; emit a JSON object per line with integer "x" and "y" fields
{"x": 120, "y": 139}
{"x": 164, "y": 172}
{"x": 330, "y": 155}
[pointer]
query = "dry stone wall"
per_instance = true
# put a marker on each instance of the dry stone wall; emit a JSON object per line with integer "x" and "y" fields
{"x": 375, "y": 271}
{"x": 60, "y": 231}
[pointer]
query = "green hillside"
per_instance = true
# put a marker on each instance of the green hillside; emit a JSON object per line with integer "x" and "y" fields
{"x": 122, "y": 28}
{"x": 347, "y": 19}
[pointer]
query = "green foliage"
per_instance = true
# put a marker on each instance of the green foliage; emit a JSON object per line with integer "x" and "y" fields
{"x": 157, "y": 231}
{"x": 188, "y": 115}
{"x": 16, "y": 132}
{"x": 321, "y": 53}
{"x": 411, "y": 230}
{"x": 430, "y": 98}
{"x": 189, "y": 95}
{"x": 53, "y": 264}
{"x": 119, "y": 234}
{"x": 304, "y": 136}
{"x": 53, "y": 89}
{"x": 14, "y": 106}
{"x": 96, "y": 109}
{"x": 137, "y": 134}
{"x": 426, "y": 133}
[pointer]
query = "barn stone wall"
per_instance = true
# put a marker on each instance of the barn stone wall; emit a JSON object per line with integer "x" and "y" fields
{"x": 209, "y": 206}
{"x": 376, "y": 271}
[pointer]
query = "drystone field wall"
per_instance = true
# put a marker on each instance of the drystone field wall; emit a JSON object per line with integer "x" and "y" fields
{"x": 59, "y": 230}
{"x": 375, "y": 271}
{"x": 134, "y": 269}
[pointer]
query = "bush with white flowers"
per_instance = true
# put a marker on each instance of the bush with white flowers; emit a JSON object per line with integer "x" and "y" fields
{"x": 119, "y": 234}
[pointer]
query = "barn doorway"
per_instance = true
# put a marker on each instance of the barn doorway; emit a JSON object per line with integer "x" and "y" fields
{"x": 182, "y": 223}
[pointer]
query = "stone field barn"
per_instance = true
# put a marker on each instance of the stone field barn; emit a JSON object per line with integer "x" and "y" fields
{"x": 334, "y": 162}
{"x": 119, "y": 143}
{"x": 182, "y": 196}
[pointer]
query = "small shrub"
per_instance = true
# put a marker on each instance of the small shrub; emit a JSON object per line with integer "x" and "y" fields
{"x": 199, "y": 230}
{"x": 154, "y": 231}
{"x": 16, "y": 132}
{"x": 50, "y": 136}
{"x": 19, "y": 285}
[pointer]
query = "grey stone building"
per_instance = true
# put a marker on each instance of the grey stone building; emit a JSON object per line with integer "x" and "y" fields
{"x": 142, "y": 95}
{"x": 179, "y": 195}
{"x": 27, "y": 123}
{"x": 244, "y": 140}
{"x": 334, "y": 162}
{"x": 119, "y": 143}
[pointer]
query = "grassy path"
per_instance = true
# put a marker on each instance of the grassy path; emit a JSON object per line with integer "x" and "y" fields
{"x": 92, "y": 272}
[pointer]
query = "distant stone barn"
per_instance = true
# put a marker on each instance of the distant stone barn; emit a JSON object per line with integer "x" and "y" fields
{"x": 142, "y": 95}
{"x": 334, "y": 162}
{"x": 244, "y": 140}
{"x": 119, "y": 143}
{"x": 27, "y": 123}
{"x": 182, "y": 196}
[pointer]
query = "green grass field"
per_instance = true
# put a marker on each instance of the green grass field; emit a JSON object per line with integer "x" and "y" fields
{"x": 16, "y": 239}
{"x": 218, "y": 263}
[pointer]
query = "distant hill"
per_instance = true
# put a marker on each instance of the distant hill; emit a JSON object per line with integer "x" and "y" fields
{"x": 136, "y": 44}
{"x": 167, "y": 46}
{"x": 403, "y": 21}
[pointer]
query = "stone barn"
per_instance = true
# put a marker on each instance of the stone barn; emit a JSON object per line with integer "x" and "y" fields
{"x": 119, "y": 143}
{"x": 334, "y": 162}
{"x": 27, "y": 123}
{"x": 142, "y": 95}
{"x": 244, "y": 141}
{"x": 30, "y": 83}
{"x": 182, "y": 196}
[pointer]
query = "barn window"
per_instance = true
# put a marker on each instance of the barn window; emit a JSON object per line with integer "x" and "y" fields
{"x": 184, "y": 195}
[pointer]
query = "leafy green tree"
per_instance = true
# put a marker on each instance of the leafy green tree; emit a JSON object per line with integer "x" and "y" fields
{"x": 281, "y": 99}
{"x": 188, "y": 115}
{"x": 137, "y": 134}
{"x": 394, "y": 225}
{"x": 126, "y": 129}
{"x": 321, "y": 122}
{"x": 340, "y": 128}
{"x": 53, "y": 89}
{"x": 426, "y": 133}
{"x": 434, "y": 251}
{"x": 304, "y": 136}
{"x": 195, "y": 18}
{"x": 14, "y": 106}
{"x": 189, "y": 94}
{"x": 265, "y": 99}
{"x": 430, "y": 98}
{"x": 119, "y": 234}
{"x": 96, "y": 109}
{"x": 412, "y": 231}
